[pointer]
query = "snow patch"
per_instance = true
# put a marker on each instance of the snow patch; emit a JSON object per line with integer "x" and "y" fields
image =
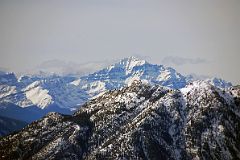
{"x": 164, "y": 75}
{"x": 37, "y": 95}
{"x": 76, "y": 82}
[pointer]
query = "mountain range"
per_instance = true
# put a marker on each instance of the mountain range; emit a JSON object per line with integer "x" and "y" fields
{"x": 138, "y": 121}
{"x": 36, "y": 95}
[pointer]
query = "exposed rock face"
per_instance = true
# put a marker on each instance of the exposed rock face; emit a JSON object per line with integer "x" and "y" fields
{"x": 141, "y": 121}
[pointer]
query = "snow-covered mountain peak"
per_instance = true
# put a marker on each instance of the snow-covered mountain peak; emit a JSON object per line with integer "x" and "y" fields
{"x": 128, "y": 64}
{"x": 195, "y": 85}
{"x": 132, "y": 61}
{"x": 130, "y": 69}
{"x": 198, "y": 84}
{"x": 218, "y": 82}
{"x": 201, "y": 90}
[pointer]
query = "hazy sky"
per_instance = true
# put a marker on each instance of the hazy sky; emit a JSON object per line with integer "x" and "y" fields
{"x": 193, "y": 36}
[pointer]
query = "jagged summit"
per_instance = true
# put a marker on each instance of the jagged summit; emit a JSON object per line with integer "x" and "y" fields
{"x": 218, "y": 82}
{"x": 129, "y": 63}
{"x": 127, "y": 69}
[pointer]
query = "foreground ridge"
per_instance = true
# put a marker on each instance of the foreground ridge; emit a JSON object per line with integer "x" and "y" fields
{"x": 140, "y": 121}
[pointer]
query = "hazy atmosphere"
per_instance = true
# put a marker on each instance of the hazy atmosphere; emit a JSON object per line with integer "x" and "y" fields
{"x": 200, "y": 37}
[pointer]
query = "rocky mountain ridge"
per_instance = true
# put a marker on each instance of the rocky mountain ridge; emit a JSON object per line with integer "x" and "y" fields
{"x": 141, "y": 121}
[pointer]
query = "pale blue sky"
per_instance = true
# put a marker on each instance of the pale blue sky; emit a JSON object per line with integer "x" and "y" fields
{"x": 80, "y": 31}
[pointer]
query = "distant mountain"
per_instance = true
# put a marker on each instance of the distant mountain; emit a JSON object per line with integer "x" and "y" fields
{"x": 66, "y": 93}
{"x": 218, "y": 82}
{"x": 127, "y": 70}
{"x": 40, "y": 91}
{"x": 140, "y": 121}
{"x": 9, "y": 125}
